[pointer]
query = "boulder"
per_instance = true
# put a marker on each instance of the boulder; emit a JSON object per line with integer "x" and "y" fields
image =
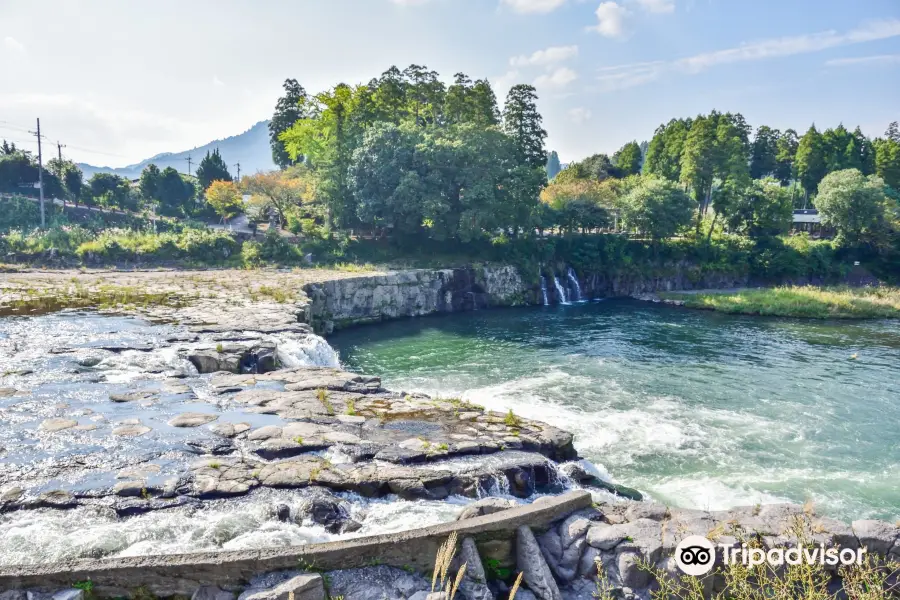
{"x": 878, "y": 537}
{"x": 535, "y": 571}
{"x": 130, "y": 430}
{"x": 301, "y": 587}
{"x": 486, "y": 506}
{"x": 474, "y": 584}
{"x": 229, "y": 430}
{"x": 134, "y": 396}
{"x": 54, "y": 425}
{"x": 192, "y": 419}
{"x": 327, "y": 510}
{"x": 211, "y": 592}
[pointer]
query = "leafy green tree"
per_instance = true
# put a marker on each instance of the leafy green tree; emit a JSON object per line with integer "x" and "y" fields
{"x": 699, "y": 161}
{"x": 390, "y": 96}
{"x": 483, "y": 110}
{"x": 149, "y": 185}
{"x": 764, "y": 154}
{"x": 887, "y": 161}
{"x": 596, "y": 168}
{"x": 553, "y": 165}
{"x": 629, "y": 159}
{"x": 288, "y": 110}
{"x": 17, "y": 170}
{"x": 663, "y": 156}
{"x": 893, "y": 132}
{"x": 852, "y": 203}
{"x": 657, "y": 208}
{"x": 68, "y": 176}
{"x": 110, "y": 191}
{"x": 522, "y": 122}
{"x": 784, "y": 157}
{"x": 175, "y": 193}
{"x": 212, "y": 168}
{"x": 810, "y": 162}
{"x": 763, "y": 209}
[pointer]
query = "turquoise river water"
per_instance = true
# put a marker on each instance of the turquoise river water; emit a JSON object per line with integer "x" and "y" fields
{"x": 697, "y": 409}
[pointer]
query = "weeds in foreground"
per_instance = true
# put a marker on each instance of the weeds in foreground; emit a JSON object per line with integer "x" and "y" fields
{"x": 323, "y": 398}
{"x": 874, "y": 579}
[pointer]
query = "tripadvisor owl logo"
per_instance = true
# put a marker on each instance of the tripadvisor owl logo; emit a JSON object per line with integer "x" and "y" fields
{"x": 695, "y": 555}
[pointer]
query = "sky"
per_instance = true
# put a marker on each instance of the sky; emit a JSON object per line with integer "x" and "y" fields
{"x": 119, "y": 81}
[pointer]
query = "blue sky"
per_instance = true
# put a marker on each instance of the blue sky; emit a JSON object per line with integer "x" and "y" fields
{"x": 119, "y": 81}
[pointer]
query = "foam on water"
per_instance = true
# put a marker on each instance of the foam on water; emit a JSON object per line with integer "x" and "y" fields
{"x": 307, "y": 351}
{"x": 696, "y": 409}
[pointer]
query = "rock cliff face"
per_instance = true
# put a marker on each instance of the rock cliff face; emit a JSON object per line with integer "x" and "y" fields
{"x": 342, "y": 303}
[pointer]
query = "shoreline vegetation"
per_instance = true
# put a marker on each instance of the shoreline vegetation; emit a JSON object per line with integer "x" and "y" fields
{"x": 810, "y": 302}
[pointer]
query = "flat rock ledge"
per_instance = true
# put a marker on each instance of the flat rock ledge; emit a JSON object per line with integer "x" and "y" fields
{"x": 337, "y": 430}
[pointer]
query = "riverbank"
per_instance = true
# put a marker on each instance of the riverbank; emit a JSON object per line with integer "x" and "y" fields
{"x": 879, "y": 302}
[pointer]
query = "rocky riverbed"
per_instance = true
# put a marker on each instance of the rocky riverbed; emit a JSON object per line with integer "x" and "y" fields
{"x": 151, "y": 419}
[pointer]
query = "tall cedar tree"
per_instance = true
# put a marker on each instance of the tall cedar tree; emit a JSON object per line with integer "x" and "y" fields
{"x": 522, "y": 122}
{"x": 212, "y": 168}
{"x": 288, "y": 110}
{"x": 810, "y": 162}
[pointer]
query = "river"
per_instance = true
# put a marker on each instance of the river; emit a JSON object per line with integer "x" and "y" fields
{"x": 696, "y": 409}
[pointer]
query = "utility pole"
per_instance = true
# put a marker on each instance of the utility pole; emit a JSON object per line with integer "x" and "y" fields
{"x": 238, "y": 165}
{"x": 40, "y": 173}
{"x": 59, "y": 148}
{"x": 189, "y": 159}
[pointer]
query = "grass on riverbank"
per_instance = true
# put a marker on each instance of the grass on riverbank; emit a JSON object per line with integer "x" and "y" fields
{"x": 793, "y": 301}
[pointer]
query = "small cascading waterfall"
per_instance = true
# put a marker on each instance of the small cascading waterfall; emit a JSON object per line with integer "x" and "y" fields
{"x": 560, "y": 291}
{"x": 544, "y": 290}
{"x": 574, "y": 281}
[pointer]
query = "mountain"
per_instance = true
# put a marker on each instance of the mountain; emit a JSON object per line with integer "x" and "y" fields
{"x": 250, "y": 148}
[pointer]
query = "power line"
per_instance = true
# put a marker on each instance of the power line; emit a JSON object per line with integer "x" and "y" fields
{"x": 189, "y": 160}
{"x": 59, "y": 148}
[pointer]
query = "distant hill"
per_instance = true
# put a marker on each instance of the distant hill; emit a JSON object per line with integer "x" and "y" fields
{"x": 250, "y": 148}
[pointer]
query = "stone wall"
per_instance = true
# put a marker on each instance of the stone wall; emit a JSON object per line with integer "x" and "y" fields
{"x": 343, "y": 303}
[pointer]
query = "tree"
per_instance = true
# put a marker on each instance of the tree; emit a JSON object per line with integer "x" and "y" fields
{"x": 175, "y": 193}
{"x": 663, "y": 157}
{"x": 656, "y": 208}
{"x": 699, "y": 161}
{"x": 225, "y": 198}
{"x": 110, "y": 191}
{"x": 762, "y": 209}
{"x": 597, "y": 168}
{"x": 810, "y": 161}
{"x": 212, "y": 168}
{"x": 892, "y": 133}
{"x": 852, "y": 203}
{"x": 553, "y": 165}
{"x": 784, "y": 157}
{"x": 522, "y": 122}
{"x": 580, "y": 204}
{"x": 629, "y": 159}
{"x": 149, "y": 185}
{"x": 887, "y": 161}
{"x": 764, "y": 153}
{"x": 288, "y": 110}
{"x": 277, "y": 191}
{"x": 17, "y": 170}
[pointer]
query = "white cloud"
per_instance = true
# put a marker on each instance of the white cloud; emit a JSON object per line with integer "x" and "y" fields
{"x": 580, "y": 115}
{"x": 533, "y": 6}
{"x": 11, "y": 43}
{"x": 622, "y": 77}
{"x": 882, "y": 59}
{"x": 217, "y": 82}
{"x": 546, "y": 57}
{"x": 791, "y": 45}
{"x": 657, "y": 6}
{"x": 626, "y": 76}
{"x": 559, "y": 78}
{"x": 611, "y": 18}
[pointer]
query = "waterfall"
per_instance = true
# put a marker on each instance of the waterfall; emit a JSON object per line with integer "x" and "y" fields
{"x": 574, "y": 282}
{"x": 305, "y": 351}
{"x": 560, "y": 291}
{"x": 544, "y": 290}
